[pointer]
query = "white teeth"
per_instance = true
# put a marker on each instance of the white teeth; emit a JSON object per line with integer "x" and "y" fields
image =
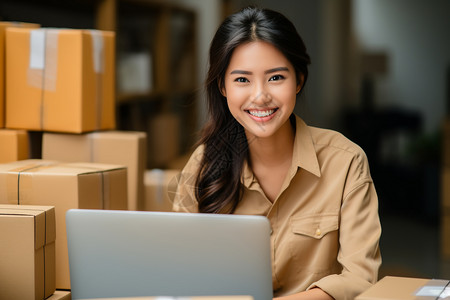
{"x": 261, "y": 113}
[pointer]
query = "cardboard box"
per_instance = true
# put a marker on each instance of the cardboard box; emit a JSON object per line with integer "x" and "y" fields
{"x": 60, "y": 295}
{"x": 60, "y": 80}
{"x": 3, "y": 26}
{"x": 126, "y": 148}
{"x": 404, "y": 288}
{"x": 163, "y": 140}
{"x": 160, "y": 189}
{"x": 14, "y": 145}
{"x": 65, "y": 186}
{"x": 27, "y": 251}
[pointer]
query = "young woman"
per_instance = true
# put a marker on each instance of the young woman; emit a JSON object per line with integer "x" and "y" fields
{"x": 256, "y": 157}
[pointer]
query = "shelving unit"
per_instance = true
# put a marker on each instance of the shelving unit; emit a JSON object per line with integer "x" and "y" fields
{"x": 158, "y": 33}
{"x": 162, "y": 35}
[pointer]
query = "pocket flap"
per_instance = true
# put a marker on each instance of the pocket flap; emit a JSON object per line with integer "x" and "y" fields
{"x": 316, "y": 225}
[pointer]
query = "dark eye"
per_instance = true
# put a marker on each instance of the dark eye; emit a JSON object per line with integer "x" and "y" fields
{"x": 241, "y": 79}
{"x": 276, "y": 77}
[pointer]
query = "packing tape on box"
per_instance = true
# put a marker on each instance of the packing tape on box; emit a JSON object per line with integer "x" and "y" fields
{"x": 44, "y": 56}
{"x": 435, "y": 288}
{"x": 43, "y": 64}
{"x": 104, "y": 190}
{"x": 12, "y": 179}
{"x": 98, "y": 51}
{"x": 42, "y": 70}
{"x": 98, "y": 61}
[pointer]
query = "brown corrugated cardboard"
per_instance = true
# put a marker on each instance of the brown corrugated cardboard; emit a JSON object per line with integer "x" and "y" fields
{"x": 160, "y": 188}
{"x": 14, "y": 145}
{"x": 27, "y": 251}
{"x": 60, "y": 80}
{"x": 126, "y": 148}
{"x": 65, "y": 186}
{"x": 404, "y": 288}
{"x": 3, "y": 26}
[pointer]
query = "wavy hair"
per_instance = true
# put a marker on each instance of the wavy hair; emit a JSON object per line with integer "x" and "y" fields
{"x": 218, "y": 182}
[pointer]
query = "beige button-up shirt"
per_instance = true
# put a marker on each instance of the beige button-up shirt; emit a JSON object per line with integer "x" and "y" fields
{"x": 325, "y": 223}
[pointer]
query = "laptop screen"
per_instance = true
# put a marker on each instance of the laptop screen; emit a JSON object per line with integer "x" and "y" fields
{"x": 132, "y": 253}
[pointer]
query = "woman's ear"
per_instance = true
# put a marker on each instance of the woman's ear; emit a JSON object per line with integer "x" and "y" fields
{"x": 300, "y": 81}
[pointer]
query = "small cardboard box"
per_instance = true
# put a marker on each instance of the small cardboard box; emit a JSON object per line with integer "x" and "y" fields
{"x": 160, "y": 189}
{"x": 27, "y": 251}
{"x": 60, "y": 80}
{"x": 14, "y": 145}
{"x": 64, "y": 186}
{"x": 404, "y": 288}
{"x": 126, "y": 148}
{"x": 3, "y": 26}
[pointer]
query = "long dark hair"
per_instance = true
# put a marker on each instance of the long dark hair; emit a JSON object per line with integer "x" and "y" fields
{"x": 218, "y": 180}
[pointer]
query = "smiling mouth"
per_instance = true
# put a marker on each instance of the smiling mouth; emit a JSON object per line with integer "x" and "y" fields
{"x": 262, "y": 113}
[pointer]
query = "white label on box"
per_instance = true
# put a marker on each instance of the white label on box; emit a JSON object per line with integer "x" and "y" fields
{"x": 445, "y": 293}
{"x": 37, "y": 49}
{"x": 428, "y": 291}
{"x": 43, "y": 58}
{"x": 97, "y": 50}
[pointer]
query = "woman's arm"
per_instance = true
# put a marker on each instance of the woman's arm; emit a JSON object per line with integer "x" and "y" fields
{"x": 312, "y": 294}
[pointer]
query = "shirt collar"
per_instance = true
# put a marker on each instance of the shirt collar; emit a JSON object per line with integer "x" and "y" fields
{"x": 304, "y": 154}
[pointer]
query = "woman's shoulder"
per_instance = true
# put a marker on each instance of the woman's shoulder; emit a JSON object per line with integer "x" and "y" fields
{"x": 323, "y": 137}
{"x": 195, "y": 159}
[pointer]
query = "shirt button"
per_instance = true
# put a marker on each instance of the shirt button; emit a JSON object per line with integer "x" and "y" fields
{"x": 318, "y": 232}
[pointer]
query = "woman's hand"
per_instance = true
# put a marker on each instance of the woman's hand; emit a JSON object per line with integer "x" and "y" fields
{"x": 312, "y": 294}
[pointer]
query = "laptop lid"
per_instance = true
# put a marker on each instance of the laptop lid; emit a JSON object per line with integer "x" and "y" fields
{"x": 137, "y": 253}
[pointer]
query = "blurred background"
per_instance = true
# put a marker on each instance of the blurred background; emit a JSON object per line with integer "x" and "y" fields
{"x": 380, "y": 74}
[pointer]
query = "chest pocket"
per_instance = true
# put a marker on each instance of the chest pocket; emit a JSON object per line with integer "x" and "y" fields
{"x": 314, "y": 243}
{"x": 315, "y": 226}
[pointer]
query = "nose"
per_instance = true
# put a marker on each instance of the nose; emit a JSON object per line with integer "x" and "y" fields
{"x": 261, "y": 95}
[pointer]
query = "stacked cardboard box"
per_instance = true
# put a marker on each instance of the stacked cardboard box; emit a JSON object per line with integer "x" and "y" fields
{"x": 60, "y": 79}
{"x": 160, "y": 189}
{"x": 3, "y": 27}
{"x": 64, "y": 186}
{"x": 27, "y": 244}
{"x": 14, "y": 145}
{"x": 445, "y": 200}
{"x": 111, "y": 147}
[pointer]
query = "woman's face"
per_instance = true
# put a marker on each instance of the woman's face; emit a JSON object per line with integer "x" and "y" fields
{"x": 260, "y": 87}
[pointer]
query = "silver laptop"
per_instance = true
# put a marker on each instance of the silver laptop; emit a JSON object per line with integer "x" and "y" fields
{"x": 136, "y": 253}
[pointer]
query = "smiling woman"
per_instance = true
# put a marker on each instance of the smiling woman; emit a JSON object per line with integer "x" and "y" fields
{"x": 257, "y": 157}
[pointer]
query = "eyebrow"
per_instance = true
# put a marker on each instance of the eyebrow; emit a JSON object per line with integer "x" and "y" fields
{"x": 265, "y": 72}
